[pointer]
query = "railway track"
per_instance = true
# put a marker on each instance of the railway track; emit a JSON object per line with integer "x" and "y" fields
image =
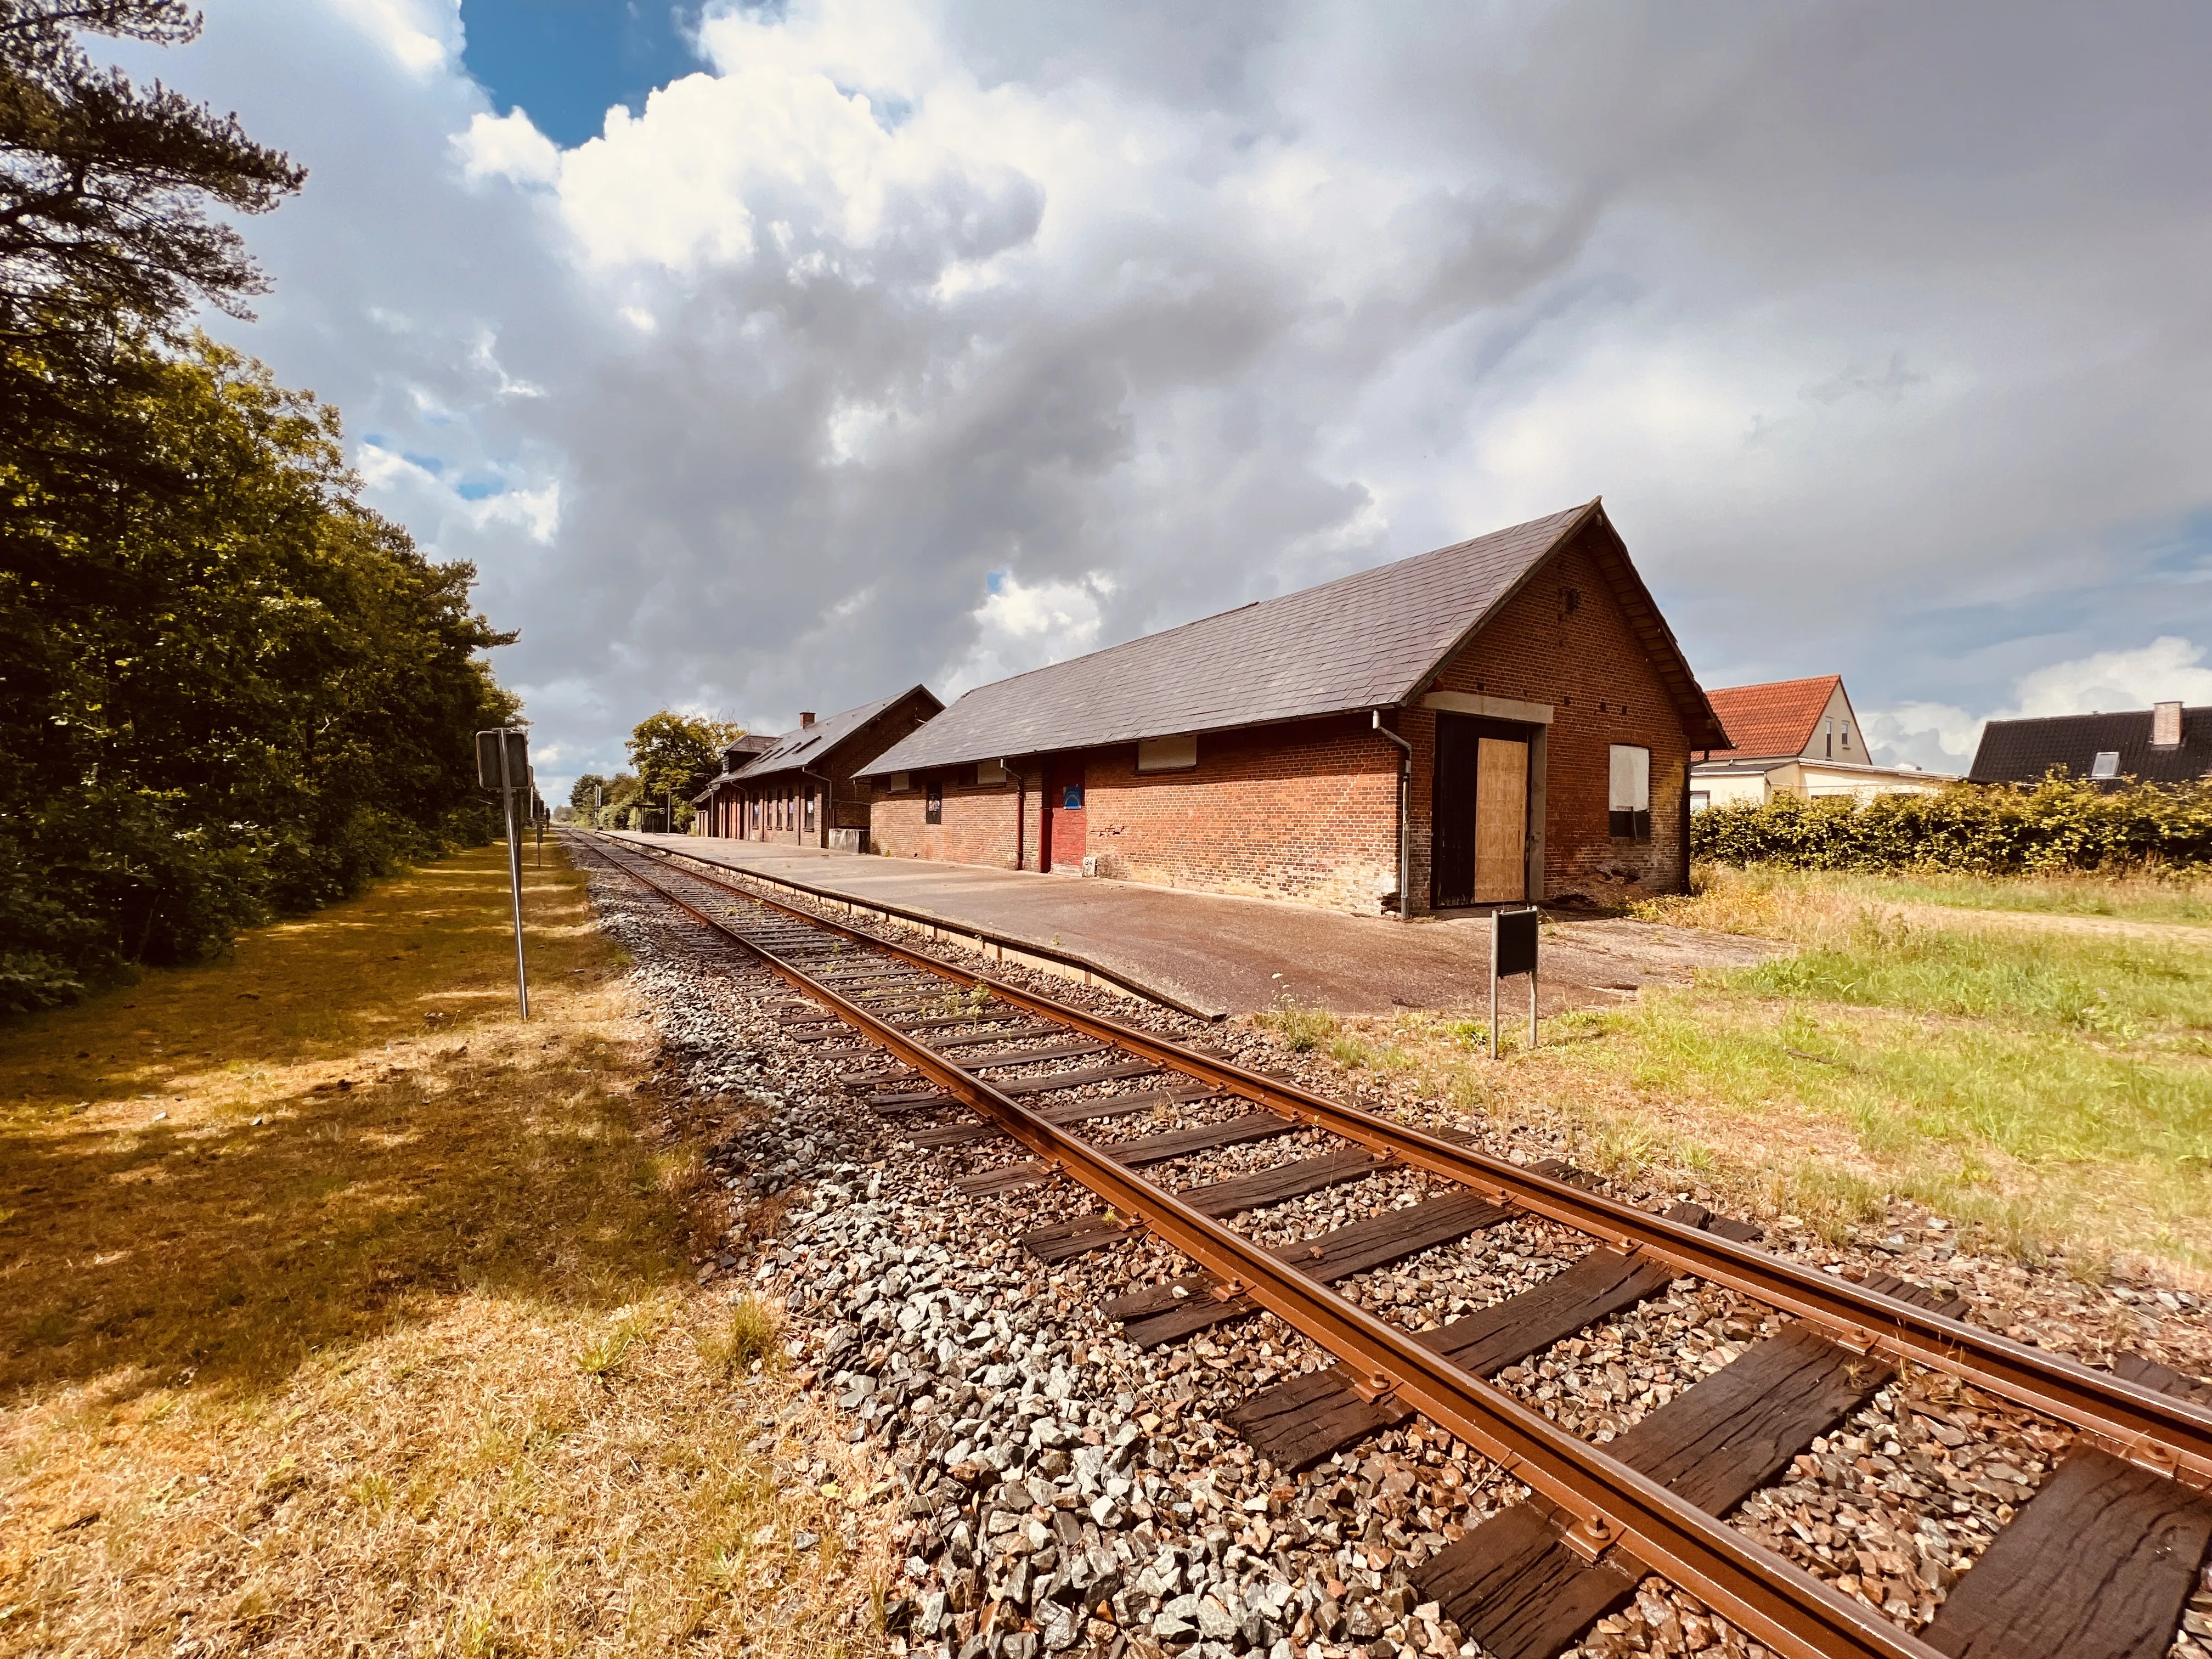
{"x": 2097, "y": 1564}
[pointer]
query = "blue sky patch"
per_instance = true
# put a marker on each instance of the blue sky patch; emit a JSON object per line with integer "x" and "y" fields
{"x": 568, "y": 62}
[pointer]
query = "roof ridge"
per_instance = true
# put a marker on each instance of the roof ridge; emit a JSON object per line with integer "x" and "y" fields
{"x": 1275, "y": 599}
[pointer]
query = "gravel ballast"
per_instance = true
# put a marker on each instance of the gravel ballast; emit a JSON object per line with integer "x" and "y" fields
{"x": 1065, "y": 1491}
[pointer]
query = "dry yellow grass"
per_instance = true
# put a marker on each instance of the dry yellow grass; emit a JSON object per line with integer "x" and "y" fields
{"x": 346, "y": 1313}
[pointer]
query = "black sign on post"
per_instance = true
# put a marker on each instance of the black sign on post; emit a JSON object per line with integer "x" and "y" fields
{"x": 507, "y": 771}
{"x": 1512, "y": 951}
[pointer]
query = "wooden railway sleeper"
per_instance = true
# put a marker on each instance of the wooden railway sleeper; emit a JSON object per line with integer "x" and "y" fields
{"x": 2094, "y": 1402}
{"x": 1774, "y": 1601}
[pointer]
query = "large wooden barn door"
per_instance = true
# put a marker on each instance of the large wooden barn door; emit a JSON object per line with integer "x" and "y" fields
{"x": 1501, "y": 821}
{"x": 1064, "y": 813}
{"x": 1478, "y": 851}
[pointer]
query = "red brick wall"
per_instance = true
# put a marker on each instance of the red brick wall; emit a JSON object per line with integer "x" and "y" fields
{"x": 1590, "y": 666}
{"x": 1305, "y": 811}
{"x": 978, "y": 825}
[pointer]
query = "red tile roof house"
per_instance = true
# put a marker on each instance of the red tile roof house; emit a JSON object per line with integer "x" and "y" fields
{"x": 1505, "y": 720}
{"x": 1794, "y": 738}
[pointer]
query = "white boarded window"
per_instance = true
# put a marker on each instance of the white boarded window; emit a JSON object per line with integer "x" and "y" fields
{"x": 990, "y": 771}
{"x": 1628, "y": 796}
{"x": 896, "y": 781}
{"x": 2106, "y": 765}
{"x": 1167, "y": 753}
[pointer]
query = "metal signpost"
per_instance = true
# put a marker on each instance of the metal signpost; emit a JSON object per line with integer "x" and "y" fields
{"x": 503, "y": 763}
{"x": 1512, "y": 951}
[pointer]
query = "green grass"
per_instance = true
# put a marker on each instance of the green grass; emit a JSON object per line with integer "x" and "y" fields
{"x": 2113, "y": 987}
{"x": 2040, "y": 1135}
{"x": 2050, "y": 1086}
{"x": 1302, "y": 1030}
{"x": 2185, "y": 899}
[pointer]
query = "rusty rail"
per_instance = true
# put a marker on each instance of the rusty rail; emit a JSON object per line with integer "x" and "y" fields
{"x": 1776, "y": 1602}
{"x": 2162, "y": 1432}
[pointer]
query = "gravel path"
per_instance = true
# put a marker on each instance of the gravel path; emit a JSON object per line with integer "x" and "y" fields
{"x": 1067, "y": 1493}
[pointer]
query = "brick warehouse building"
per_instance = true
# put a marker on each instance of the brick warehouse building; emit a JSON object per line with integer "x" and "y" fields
{"x": 801, "y": 788}
{"x": 1506, "y": 719}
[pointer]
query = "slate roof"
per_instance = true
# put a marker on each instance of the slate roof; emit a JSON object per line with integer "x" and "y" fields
{"x": 1364, "y": 641}
{"x": 805, "y": 747}
{"x": 2022, "y": 751}
{"x": 1771, "y": 719}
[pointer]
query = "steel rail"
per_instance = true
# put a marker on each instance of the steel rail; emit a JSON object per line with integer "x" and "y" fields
{"x": 1002, "y": 942}
{"x": 2162, "y": 1432}
{"x": 1773, "y": 1600}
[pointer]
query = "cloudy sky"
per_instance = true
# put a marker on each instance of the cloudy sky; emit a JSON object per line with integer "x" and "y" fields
{"x": 776, "y": 357}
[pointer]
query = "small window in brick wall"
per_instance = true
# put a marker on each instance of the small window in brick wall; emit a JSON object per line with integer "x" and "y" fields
{"x": 809, "y": 809}
{"x": 932, "y": 811}
{"x": 1629, "y": 796}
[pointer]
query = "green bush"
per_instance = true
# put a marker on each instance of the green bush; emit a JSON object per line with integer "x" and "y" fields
{"x": 239, "y": 694}
{"x": 2060, "y": 824}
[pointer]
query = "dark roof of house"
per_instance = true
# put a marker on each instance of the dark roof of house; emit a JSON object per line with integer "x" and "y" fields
{"x": 1368, "y": 641}
{"x": 1776, "y": 719}
{"x": 2022, "y": 751}
{"x": 805, "y": 747}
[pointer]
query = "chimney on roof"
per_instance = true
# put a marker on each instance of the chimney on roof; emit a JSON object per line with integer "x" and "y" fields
{"x": 2166, "y": 726}
{"x": 806, "y": 719}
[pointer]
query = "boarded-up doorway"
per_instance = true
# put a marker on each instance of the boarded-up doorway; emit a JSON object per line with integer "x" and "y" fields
{"x": 1479, "y": 843}
{"x": 1063, "y": 814}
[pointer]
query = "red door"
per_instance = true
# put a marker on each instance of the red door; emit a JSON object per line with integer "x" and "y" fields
{"x": 1063, "y": 814}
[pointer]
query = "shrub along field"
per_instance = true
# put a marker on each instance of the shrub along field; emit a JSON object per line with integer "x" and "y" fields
{"x": 1980, "y": 829}
{"x": 345, "y": 1312}
{"x": 2032, "y": 1057}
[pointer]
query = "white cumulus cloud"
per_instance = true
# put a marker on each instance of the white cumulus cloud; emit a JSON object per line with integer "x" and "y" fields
{"x": 507, "y": 146}
{"x": 1879, "y": 326}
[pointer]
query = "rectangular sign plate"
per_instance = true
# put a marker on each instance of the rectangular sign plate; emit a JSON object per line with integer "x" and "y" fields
{"x": 1513, "y": 942}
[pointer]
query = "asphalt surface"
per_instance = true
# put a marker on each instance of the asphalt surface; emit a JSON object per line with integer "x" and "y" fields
{"x": 1241, "y": 955}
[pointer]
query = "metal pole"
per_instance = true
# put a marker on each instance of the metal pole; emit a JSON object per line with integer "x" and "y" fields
{"x": 1493, "y": 984}
{"x": 1532, "y": 1010}
{"x": 513, "y": 870}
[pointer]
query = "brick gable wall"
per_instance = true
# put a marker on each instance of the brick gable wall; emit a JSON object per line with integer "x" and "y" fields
{"x": 850, "y": 798}
{"x": 1590, "y": 666}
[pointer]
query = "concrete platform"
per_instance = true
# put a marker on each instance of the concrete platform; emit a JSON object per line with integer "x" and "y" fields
{"x": 1238, "y": 956}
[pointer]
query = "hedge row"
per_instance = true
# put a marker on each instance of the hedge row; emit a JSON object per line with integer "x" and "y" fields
{"x": 1989, "y": 829}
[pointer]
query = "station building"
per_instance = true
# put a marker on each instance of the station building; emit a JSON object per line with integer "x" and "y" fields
{"x": 801, "y": 788}
{"x": 1505, "y": 720}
